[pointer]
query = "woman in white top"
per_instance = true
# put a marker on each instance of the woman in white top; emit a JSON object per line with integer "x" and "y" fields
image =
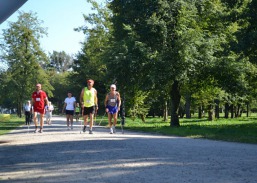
{"x": 69, "y": 106}
{"x": 49, "y": 109}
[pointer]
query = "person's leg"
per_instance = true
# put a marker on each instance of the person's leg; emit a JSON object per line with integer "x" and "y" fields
{"x": 41, "y": 122}
{"x": 110, "y": 122}
{"x": 91, "y": 115}
{"x": 115, "y": 116}
{"x": 85, "y": 122}
{"x": 67, "y": 120}
{"x": 35, "y": 120}
{"x": 71, "y": 121}
{"x": 50, "y": 118}
{"x": 26, "y": 118}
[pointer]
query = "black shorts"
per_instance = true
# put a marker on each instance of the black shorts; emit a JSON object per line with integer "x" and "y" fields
{"x": 69, "y": 112}
{"x": 89, "y": 110}
{"x": 76, "y": 113}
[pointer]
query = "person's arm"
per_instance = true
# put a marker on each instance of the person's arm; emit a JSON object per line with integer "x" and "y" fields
{"x": 74, "y": 103}
{"x": 119, "y": 101}
{"x": 96, "y": 100}
{"x": 81, "y": 99}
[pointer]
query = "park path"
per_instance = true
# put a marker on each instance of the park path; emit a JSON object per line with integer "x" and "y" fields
{"x": 61, "y": 155}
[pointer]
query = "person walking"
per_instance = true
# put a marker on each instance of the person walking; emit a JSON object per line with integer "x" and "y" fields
{"x": 77, "y": 111}
{"x": 39, "y": 98}
{"x": 88, "y": 100}
{"x": 28, "y": 110}
{"x": 112, "y": 104}
{"x": 69, "y": 106}
{"x": 48, "y": 110}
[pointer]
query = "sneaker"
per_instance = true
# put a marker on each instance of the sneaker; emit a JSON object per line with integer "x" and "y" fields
{"x": 35, "y": 131}
{"x": 84, "y": 129}
{"x": 90, "y": 132}
{"x": 114, "y": 129}
{"x": 41, "y": 130}
{"x": 111, "y": 131}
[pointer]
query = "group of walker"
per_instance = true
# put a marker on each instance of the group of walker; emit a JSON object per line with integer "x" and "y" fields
{"x": 89, "y": 104}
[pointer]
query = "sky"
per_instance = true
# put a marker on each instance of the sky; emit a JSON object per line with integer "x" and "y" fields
{"x": 60, "y": 17}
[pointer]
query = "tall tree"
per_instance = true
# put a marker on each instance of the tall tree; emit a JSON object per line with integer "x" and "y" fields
{"x": 89, "y": 62}
{"x": 173, "y": 41}
{"x": 23, "y": 55}
{"x": 61, "y": 61}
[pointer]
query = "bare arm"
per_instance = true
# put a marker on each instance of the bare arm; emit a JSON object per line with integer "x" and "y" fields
{"x": 96, "y": 100}
{"x": 81, "y": 97}
{"x": 119, "y": 99}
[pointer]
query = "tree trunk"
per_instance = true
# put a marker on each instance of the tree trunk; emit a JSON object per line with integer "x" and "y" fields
{"x": 142, "y": 118}
{"x": 165, "y": 111}
{"x": 232, "y": 110}
{"x": 238, "y": 111}
{"x": 210, "y": 113}
{"x": 226, "y": 110}
{"x": 175, "y": 100}
{"x": 19, "y": 109}
{"x": 200, "y": 112}
{"x": 247, "y": 109}
{"x": 217, "y": 109}
{"x": 188, "y": 105}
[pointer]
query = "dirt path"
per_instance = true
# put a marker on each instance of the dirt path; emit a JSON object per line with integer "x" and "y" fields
{"x": 59, "y": 155}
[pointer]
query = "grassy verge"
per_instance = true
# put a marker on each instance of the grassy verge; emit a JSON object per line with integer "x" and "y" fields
{"x": 234, "y": 130}
{"x": 9, "y": 123}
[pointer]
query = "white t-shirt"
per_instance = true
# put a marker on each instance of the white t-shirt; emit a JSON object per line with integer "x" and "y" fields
{"x": 70, "y": 103}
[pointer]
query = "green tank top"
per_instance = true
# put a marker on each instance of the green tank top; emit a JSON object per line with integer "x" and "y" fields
{"x": 77, "y": 109}
{"x": 89, "y": 97}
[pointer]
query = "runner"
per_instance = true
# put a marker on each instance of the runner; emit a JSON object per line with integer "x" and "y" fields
{"x": 39, "y": 98}
{"x": 49, "y": 109}
{"x": 88, "y": 99}
{"x": 69, "y": 106}
{"x": 77, "y": 111}
{"x": 112, "y": 104}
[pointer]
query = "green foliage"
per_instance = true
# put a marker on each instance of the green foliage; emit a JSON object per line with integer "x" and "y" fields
{"x": 24, "y": 57}
{"x": 138, "y": 105}
{"x": 60, "y": 61}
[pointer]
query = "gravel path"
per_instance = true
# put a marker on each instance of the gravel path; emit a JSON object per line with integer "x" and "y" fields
{"x": 59, "y": 155}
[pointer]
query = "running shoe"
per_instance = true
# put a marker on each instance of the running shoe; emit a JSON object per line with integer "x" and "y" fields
{"x": 84, "y": 129}
{"x": 111, "y": 130}
{"x": 90, "y": 132}
{"x": 114, "y": 129}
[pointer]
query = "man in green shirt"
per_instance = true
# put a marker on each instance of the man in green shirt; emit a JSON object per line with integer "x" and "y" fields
{"x": 88, "y": 100}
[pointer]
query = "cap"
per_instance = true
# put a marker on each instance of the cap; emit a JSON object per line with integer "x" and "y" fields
{"x": 90, "y": 81}
{"x": 38, "y": 85}
{"x": 113, "y": 86}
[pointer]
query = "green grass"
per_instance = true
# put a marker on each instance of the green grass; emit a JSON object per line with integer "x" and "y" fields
{"x": 9, "y": 123}
{"x": 234, "y": 130}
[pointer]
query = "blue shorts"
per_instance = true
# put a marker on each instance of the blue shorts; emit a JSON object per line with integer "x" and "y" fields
{"x": 112, "y": 110}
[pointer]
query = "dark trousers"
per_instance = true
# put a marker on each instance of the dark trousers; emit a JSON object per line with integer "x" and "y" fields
{"x": 28, "y": 117}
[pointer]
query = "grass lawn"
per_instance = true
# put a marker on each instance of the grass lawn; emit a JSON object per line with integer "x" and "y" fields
{"x": 234, "y": 130}
{"x": 8, "y": 123}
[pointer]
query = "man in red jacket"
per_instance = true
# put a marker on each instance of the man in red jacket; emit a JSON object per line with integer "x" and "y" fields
{"x": 39, "y": 99}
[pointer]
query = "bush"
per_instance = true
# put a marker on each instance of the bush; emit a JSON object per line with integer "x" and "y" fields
{"x": 5, "y": 117}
